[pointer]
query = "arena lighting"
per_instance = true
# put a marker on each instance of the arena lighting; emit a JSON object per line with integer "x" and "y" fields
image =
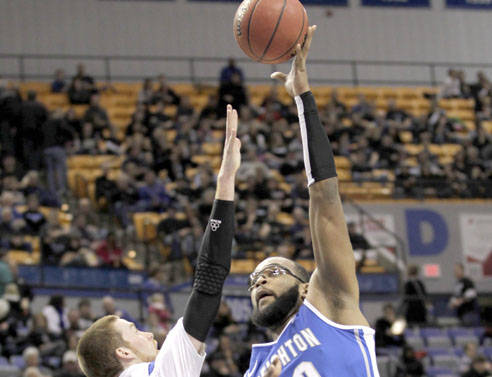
{"x": 132, "y": 254}
{"x": 399, "y": 326}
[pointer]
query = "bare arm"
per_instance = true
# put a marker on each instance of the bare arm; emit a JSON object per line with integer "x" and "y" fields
{"x": 333, "y": 253}
{"x": 333, "y": 288}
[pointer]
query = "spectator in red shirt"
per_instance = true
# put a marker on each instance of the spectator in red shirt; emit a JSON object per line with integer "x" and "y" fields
{"x": 110, "y": 253}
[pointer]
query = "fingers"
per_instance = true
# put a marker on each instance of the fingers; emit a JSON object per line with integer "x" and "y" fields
{"x": 231, "y": 123}
{"x": 275, "y": 368}
{"x": 228, "y": 122}
{"x": 309, "y": 38}
{"x": 282, "y": 77}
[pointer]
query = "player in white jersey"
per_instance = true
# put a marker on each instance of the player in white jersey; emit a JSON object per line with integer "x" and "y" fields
{"x": 113, "y": 347}
{"x": 317, "y": 326}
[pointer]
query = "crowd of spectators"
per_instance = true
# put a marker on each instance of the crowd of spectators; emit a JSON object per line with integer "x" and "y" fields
{"x": 43, "y": 343}
{"x": 160, "y": 173}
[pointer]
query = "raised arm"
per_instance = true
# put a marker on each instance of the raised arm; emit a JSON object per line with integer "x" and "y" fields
{"x": 214, "y": 258}
{"x": 333, "y": 288}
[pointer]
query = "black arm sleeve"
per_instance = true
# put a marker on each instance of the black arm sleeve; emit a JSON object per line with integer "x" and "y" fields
{"x": 213, "y": 266}
{"x": 318, "y": 155}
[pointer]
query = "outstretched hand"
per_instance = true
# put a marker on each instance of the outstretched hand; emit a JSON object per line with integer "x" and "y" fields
{"x": 231, "y": 159}
{"x": 296, "y": 82}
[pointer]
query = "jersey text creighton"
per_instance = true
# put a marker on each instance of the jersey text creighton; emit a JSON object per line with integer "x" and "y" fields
{"x": 313, "y": 346}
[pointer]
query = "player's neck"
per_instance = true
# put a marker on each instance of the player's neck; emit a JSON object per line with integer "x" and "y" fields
{"x": 278, "y": 330}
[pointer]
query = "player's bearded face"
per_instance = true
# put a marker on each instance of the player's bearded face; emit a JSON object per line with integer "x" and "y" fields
{"x": 275, "y": 314}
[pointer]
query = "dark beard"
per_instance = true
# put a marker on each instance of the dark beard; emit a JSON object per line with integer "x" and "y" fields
{"x": 275, "y": 314}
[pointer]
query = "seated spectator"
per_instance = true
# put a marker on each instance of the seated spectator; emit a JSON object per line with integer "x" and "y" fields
{"x": 153, "y": 195}
{"x": 59, "y": 84}
{"x": 53, "y": 245}
{"x": 170, "y": 224}
{"x": 56, "y": 315}
{"x": 39, "y": 336}
{"x": 465, "y": 88}
{"x": 78, "y": 93}
{"x": 70, "y": 366}
{"x": 229, "y": 70}
{"x": 33, "y": 217}
{"x": 384, "y": 335}
{"x": 209, "y": 111}
{"x": 394, "y": 114}
{"x": 87, "y": 81}
{"x": 480, "y": 367}
{"x": 8, "y": 223}
{"x": 157, "y": 305}
{"x": 105, "y": 188}
{"x": 471, "y": 351}
{"x": 409, "y": 365}
{"x": 15, "y": 241}
{"x": 443, "y": 131}
{"x": 88, "y": 140}
{"x": 165, "y": 93}
{"x": 157, "y": 117}
{"x": 486, "y": 108}
{"x": 124, "y": 199}
{"x": 185, "y": 107}
{"x": 85, "y": 314}
{"x": 11, "y": 166}
{"x": 146, "y": 94}
{"x": 32, "y": 359}
{"x": 464, "y": 299}
{"x": 451, "y": 86}
{"x": 110, "y": 252}
{"x": 109, "y": 308}
{"x": 33, "y": 186}
{"x": 97, "y": 116}
{"x": 364, "y": 108}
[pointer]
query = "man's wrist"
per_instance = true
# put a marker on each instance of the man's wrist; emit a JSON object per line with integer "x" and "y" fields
{"x": 225, "y": 187}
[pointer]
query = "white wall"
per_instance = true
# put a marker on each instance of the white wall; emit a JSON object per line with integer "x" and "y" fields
{"x": 205, "y": 29}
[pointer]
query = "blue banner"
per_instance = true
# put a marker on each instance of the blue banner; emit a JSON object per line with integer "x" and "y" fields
{"x": 470, "y": 4}
{"x": 397, "y": 3}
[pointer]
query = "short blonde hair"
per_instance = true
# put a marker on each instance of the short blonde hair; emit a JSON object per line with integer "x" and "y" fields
{"x": 96, "y": 350}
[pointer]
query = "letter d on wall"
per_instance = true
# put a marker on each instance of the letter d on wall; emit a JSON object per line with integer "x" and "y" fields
{"x": 416, "y": 219}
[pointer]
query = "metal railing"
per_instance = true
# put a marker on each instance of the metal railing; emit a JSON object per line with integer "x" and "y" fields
{"x": 354, "y": 68}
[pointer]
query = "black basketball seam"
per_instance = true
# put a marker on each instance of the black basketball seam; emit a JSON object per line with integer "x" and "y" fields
{"x": 249, "y": 23}
{"x": 295, "y": 43}
{"x": 275, "y": 30}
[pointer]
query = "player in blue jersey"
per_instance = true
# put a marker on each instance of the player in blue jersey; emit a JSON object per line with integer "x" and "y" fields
{"x": 317, "y": 326}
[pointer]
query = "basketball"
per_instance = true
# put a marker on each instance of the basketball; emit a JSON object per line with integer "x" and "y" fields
{"x": 269, "y": 30}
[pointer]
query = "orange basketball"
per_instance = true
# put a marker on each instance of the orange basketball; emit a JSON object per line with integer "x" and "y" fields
{"x": 269, "y": 30}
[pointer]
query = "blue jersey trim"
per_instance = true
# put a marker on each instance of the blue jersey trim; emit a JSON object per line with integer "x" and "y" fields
{"x": 151, "y": 367}
{"x": 366, "y": 329}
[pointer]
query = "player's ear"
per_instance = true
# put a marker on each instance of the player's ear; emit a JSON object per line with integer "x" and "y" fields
{"x": 124, "y": 354}
{"x": 304, "y": 290}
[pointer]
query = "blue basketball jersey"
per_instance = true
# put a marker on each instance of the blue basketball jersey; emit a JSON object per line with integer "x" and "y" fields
{"x": 313, "y": 346}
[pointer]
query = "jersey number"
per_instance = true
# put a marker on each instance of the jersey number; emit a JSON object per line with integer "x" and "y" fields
{"x": 305, "y": 369}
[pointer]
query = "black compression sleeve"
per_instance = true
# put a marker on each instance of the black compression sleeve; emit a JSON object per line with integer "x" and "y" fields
{"x": 318, "y": 155}
{"x": 213, "y": 266}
